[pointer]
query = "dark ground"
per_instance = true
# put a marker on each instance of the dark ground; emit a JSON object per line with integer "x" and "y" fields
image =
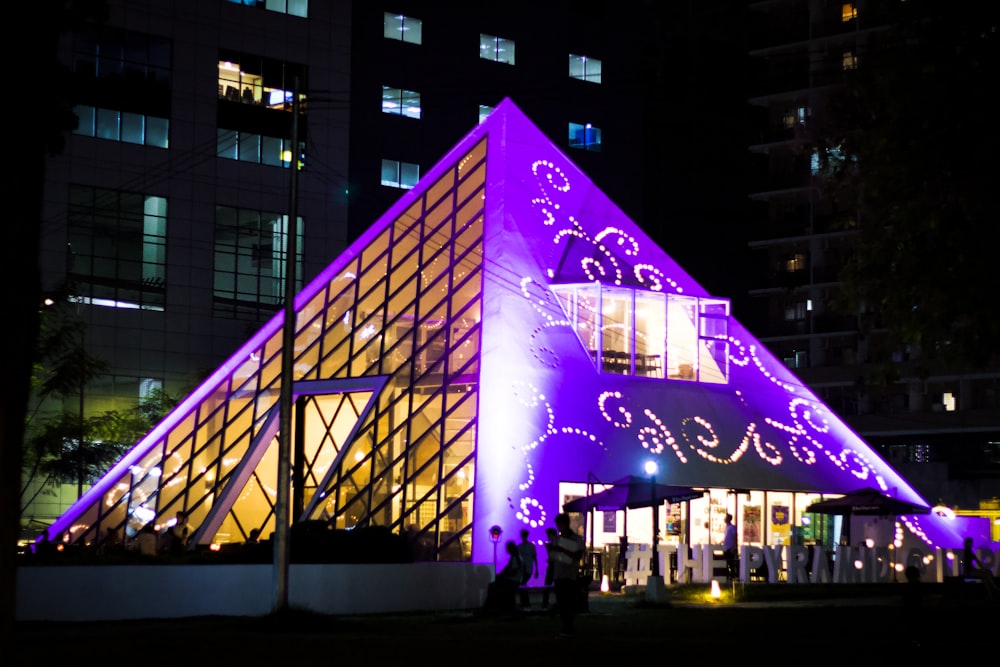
{"x": 824, "y": 625}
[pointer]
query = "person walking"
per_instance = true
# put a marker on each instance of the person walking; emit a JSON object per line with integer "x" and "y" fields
{"x": 729, "y": 551}
{"x": 568, "y": 552}
{"x": 529, "y": 563}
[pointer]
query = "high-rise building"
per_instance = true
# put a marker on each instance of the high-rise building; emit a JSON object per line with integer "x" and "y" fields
{"x": 942, "y": 430}
{"x": 166, "y": 217}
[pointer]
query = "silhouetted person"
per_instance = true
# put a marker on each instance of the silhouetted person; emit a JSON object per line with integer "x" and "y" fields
{"x": 551, "y": 535}
{"x": 568, "y": 550}
{"x": 912, "y": 597}
{"x": 529, "y": 564}
{"x": 972, "y": 568}
{"x": 145, "y": 541}
{"x": 502, "y": 592}
{"x": 176, "y": 536}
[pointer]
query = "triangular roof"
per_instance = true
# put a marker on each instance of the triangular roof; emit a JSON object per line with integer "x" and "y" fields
{"x": 455, "y": 374}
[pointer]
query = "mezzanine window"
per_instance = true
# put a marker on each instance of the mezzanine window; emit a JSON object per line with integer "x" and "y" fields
{"x": 650, "y": 334}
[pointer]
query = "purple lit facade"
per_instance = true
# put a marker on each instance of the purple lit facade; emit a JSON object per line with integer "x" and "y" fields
{"x": 501, "y": 331}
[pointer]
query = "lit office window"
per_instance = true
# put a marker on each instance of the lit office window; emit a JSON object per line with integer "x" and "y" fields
{"x": 797, "y": 262}
{"x": 130, "y": 128}
{"x": 850, "y": 60}
{"x": 586, "y": 137}
{"x": 402, "y": 28}
{"x": 292, "y": 7}
{"x": 398, "y": 174}
{"x": 795, "y": 116}
{"x": 848, "y": 12}
{"x": 496, "y": 48}
{"x": 484, "y": 112}
{"x": 400, "y": 102}
{"x": 584, "y": 68}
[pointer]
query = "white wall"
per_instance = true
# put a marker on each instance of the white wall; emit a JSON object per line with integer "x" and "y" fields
{"x": 95, "y": 592}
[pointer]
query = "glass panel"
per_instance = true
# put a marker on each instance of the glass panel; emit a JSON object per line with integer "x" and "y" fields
{"x": 133, "y": 126}
{"x": 682, "y": 337}
{"x": 650, "y": 333}
{"x": 616, "y": 331}
{"x": 713, "y": 361}
{"x": 157, "y": 132}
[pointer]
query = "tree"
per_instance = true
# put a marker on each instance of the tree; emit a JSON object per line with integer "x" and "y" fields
{"x": 39, "y": 134}
{"x": 911, "y": 147}
{"x": 63, "y": 446}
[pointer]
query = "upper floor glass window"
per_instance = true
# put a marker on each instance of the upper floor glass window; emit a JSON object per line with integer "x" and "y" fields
{"x": 485, "y": 111}
{"x": 292, "y": 7}
{"x": 584, "y": 68}
{"x": 400, "y": 102}
{"x": 398, "y": 174}
{"x": 403, "y": 28}
{"x": 585, "y": 136}
{"x": 496, "y": 48}
{"x": 650, "y": 334}
{"x": 848, "y": 12}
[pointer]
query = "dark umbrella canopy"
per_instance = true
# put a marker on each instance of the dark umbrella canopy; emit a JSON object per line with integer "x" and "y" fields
{"x": 632, "y": 492}
{"x": 867, "y": 502}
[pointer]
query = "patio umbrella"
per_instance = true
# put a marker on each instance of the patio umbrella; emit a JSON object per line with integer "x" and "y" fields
{"x": 867, "y": 502}
{"x": 632, "y": 492}
{"x": 629, "y": 493}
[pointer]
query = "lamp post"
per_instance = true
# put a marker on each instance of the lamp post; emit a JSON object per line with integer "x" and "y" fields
{"x": 656, "y": 591}
{"x": 651, "y": 469}
{"x": 495, "y": 533}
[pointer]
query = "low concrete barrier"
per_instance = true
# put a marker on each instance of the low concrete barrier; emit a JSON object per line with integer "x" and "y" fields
{"x": 117, "y": 592}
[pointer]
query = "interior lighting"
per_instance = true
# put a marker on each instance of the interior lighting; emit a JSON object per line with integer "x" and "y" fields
{"x": 716, "y": 589}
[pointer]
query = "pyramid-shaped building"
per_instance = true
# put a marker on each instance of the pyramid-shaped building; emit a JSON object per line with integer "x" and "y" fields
{"x": 503, "y": 329}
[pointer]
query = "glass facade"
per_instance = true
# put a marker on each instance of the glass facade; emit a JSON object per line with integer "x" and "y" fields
{"x": 386, "y": 372}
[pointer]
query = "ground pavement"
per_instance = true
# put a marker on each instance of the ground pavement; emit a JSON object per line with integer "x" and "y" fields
{"x": 616, "y": 627}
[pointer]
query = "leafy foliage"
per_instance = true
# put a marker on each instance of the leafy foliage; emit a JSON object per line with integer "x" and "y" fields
{"x": 919, "y": 122}
{"x": 62, "y": 446}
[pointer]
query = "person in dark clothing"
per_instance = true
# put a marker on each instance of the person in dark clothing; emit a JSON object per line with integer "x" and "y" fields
{"x": 569, "y": 549}
{"x": 501, "y": 594}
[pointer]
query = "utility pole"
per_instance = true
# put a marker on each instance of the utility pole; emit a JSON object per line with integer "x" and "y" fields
{"x": 281, "y": 505}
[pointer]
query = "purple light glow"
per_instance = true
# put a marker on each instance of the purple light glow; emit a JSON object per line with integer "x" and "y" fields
{"x": 546, "y": 413}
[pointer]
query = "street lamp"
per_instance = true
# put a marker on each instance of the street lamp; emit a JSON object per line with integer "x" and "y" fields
{"x": 495, "y": 533}
{"x": 655, "y": 589}
{"x": 651, "y": 469}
